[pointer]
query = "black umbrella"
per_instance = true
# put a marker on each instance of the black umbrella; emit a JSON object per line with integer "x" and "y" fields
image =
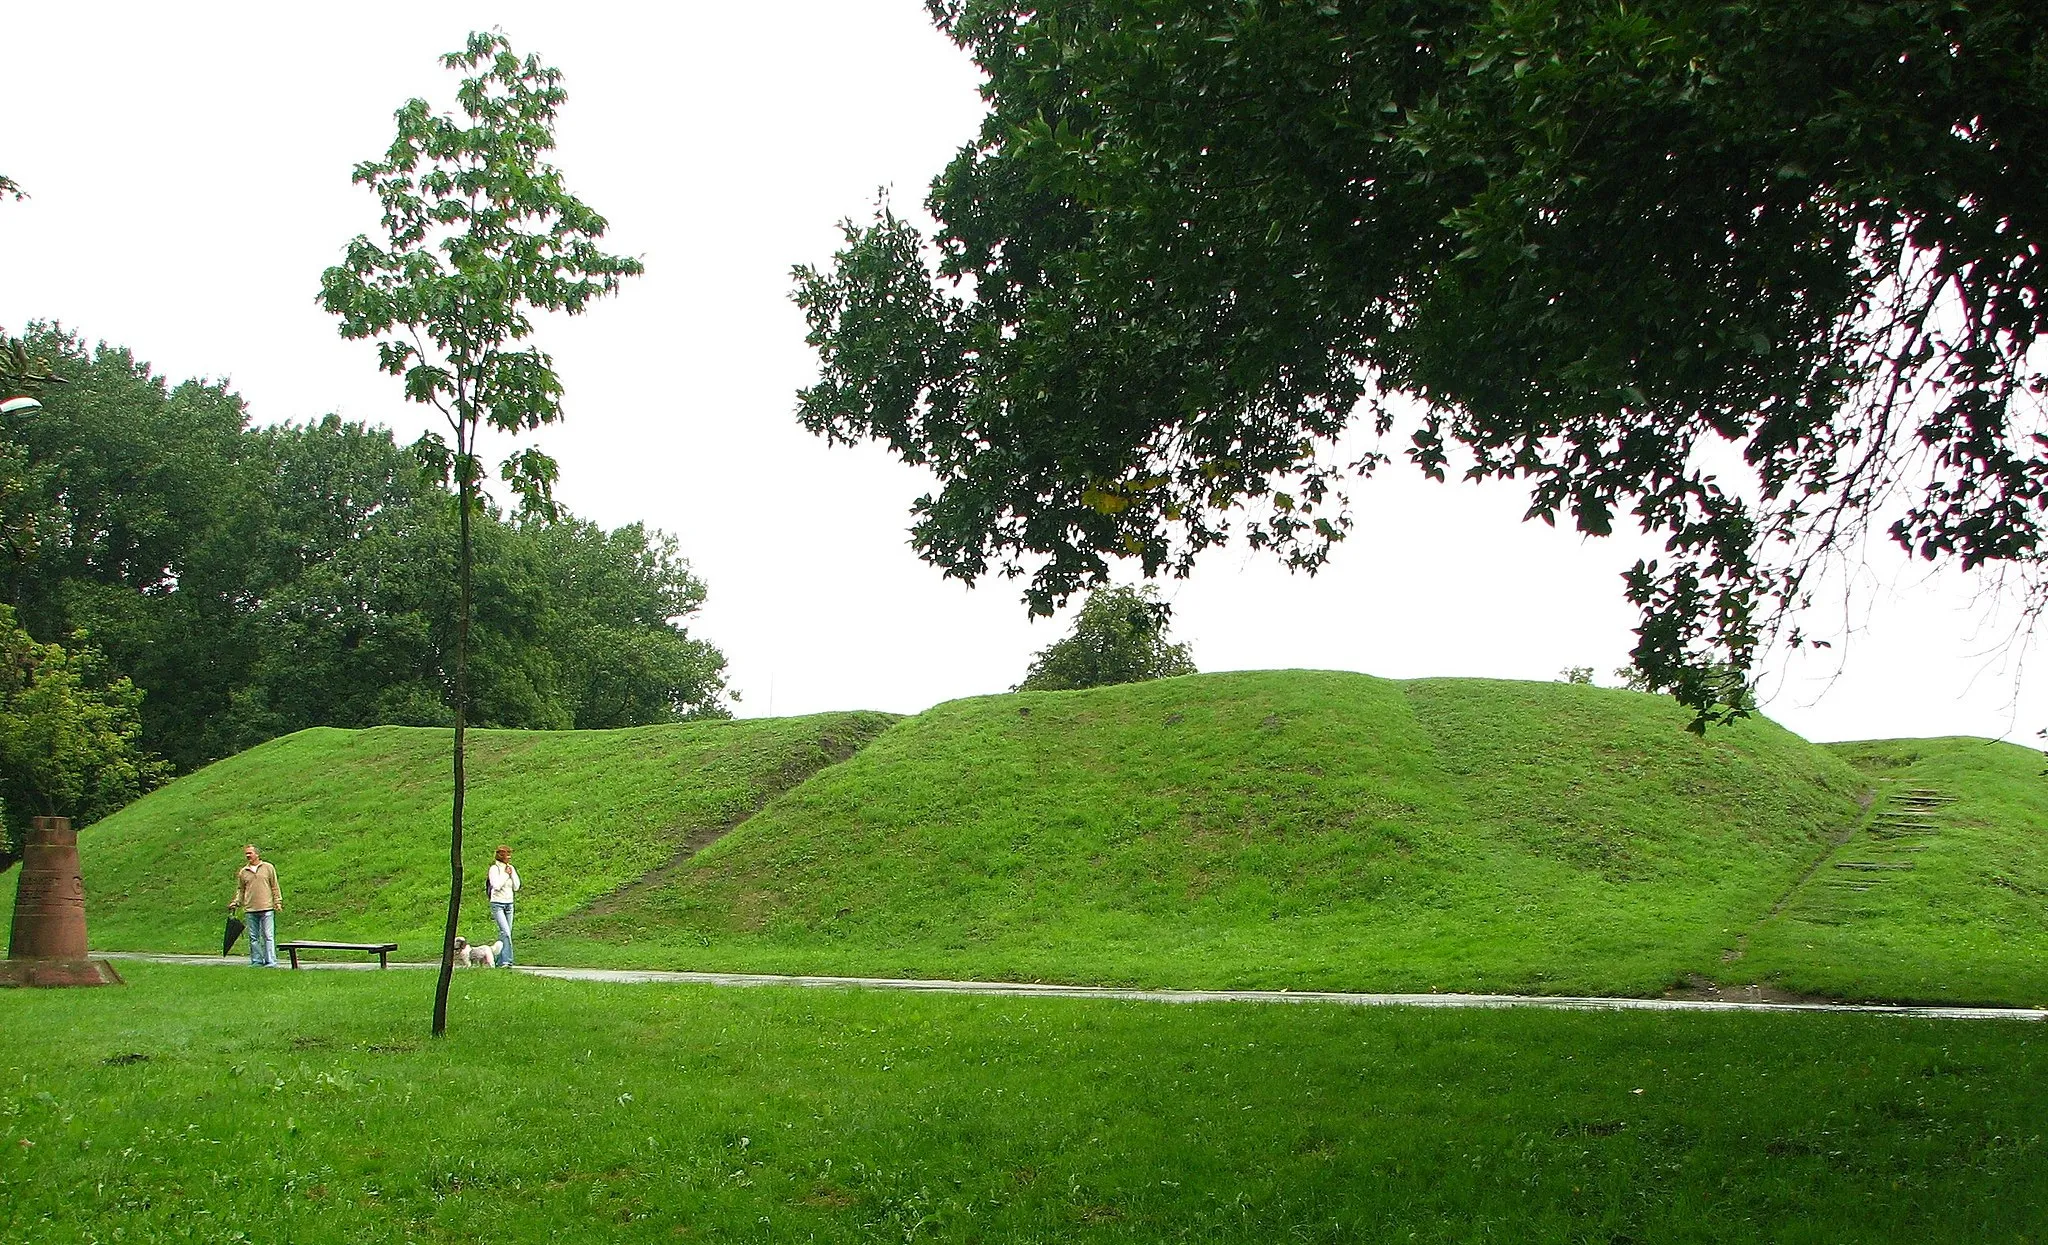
{"x": 232, "y": 932}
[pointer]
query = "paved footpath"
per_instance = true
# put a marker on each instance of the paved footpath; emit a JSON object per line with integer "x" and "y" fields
{"x": 1019, "y": 989}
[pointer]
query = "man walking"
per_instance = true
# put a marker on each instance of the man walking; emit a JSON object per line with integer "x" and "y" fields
{"x": 256, "y": 894}
{"x": 504, "y": 884}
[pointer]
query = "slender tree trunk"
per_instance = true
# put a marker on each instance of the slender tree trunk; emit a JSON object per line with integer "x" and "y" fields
{"x": 466, "y": 487}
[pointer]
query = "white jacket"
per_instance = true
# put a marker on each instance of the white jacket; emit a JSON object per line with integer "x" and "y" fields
{"x": 504, "y": 881}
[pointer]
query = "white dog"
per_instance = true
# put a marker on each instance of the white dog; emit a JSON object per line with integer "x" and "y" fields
{"x": 475, "y": 956}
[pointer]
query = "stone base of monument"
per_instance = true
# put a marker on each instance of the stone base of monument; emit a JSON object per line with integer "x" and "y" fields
{"x": 58, "y": 973}
{"x": 48, "y": 946}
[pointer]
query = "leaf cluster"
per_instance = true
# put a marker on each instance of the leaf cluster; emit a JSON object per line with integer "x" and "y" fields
{"x": 70, "y": 733}
{"x": 480, "y": 233}
{"x": 1753, "y": 277}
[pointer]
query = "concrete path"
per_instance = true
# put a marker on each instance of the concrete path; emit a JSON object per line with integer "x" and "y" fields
{"x": 636, "y": 976}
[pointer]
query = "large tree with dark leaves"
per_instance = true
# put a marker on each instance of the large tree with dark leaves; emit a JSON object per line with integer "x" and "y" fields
{"x": 254, "y": 581}
{"x": 1755, "y": 275}
{"x": 128, "y": 484}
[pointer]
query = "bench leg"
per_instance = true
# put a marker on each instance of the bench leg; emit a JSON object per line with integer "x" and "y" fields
{"x": 294, "y": 953}
{"x": 381, "y": 961}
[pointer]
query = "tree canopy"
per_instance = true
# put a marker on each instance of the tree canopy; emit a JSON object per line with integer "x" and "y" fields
{"x": 255, "y": 581}
{"x": 1119, "y": 636}
{"x": 70, "y": 735}
{"x": 1755, "y": 276}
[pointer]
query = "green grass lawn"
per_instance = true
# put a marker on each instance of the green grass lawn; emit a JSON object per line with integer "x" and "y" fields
{"x": 1292, "y": 829}
{"x": 1950, "y": 903}
{"x": 231, "y": 1104}
{"x": 357, "y": 824}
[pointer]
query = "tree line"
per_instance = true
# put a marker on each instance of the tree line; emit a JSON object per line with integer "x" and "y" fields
{"x": 252, "y": 581}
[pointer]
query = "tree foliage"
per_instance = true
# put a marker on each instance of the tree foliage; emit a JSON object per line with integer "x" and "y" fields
{"x": 1119, "y": 636}
{"x": 70, "y": 734}
{"x": 479, "y": 234}
{"x": 23, "y": 484}
{"x": 255, "y": 581}
{"x": 361, "y": 628}
{"x": 1754, "y": 276}
{"x": 125, "y": 477}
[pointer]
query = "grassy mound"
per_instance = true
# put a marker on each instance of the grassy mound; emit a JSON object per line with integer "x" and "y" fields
{"x": 1262, "y": 829}
{"x": 1942, "y": 895}
{"x": 1273, "y": 829}
{"x": 357, "y": 823}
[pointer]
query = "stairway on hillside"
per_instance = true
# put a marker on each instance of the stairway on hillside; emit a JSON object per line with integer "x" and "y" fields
{"x": 1907, "y": 821}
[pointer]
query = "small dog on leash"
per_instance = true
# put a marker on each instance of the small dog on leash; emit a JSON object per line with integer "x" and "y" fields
{"x": 478, "y": 957}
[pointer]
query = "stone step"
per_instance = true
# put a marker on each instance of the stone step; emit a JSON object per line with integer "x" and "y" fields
{"x": 1872, "y": 865}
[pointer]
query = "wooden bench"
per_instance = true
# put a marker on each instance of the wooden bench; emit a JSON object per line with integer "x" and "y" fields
{"x": 382, "y": 949}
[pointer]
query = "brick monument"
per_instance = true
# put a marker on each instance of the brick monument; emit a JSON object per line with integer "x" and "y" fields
{"x": 48, "y": 947}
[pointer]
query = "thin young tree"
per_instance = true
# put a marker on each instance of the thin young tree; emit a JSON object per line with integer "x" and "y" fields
{"x": 479, "y": 234}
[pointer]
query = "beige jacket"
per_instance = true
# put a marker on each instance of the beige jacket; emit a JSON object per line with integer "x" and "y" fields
{"x": 256, "y": 889}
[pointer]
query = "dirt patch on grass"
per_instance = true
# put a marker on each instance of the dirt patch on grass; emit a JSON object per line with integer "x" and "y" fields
{"x": 1698, "y": 989}
{"x": 828, "y": 1196}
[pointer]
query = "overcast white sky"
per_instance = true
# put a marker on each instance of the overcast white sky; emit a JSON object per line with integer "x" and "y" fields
{"x": 189, "y": 172}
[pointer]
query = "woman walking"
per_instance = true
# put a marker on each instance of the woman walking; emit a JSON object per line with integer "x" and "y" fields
{"x": 504, "y": 883}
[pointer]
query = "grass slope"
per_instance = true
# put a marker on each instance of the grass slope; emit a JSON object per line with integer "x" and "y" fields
{"x": 1280, "y": 829}
{"x": 1943, "y": 895}
{"x": 1271, "y": 829}
{"x": 226, "y": 1104}
{"x": 357, "y": 823}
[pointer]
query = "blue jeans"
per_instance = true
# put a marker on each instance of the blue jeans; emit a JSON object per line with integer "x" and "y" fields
{"x": 262, "y": 939}
{"x": 502, "y": 914}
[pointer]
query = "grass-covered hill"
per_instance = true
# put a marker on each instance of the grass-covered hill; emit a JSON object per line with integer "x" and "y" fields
{"x": 1279, "y": 829}
{"x": 357, "y": 824}
{"x": 1286, "y": 829}
{"x": 1943, "y": 893}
